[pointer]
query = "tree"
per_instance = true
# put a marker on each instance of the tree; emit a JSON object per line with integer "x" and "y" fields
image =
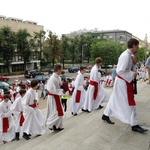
{"x": 7, "y": 45}
{"x": 65, "y": 48}
{"x": 39, "y": 36}
{"x": 24, "y": 45}
{"x": 52, "y": 47}
{"x": 109, "y": 51}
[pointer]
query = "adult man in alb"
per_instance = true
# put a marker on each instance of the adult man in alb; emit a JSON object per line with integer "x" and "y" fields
{"x": 54, "y": 116}
{"x": 78, "y": 97}
{"x": 96, "y": 94}
{"x": 121, "y": 103}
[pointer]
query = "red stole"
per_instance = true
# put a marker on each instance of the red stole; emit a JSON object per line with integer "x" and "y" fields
{"x": 5, "y": 125}
{"x": 78, "y": 96}
{"x": 130, "y": 92}
{"x": 95, "y": 84}
{"x": 58, "y": 104}
{"x": 21, "y": 118}
{"x": 33, "y": 105}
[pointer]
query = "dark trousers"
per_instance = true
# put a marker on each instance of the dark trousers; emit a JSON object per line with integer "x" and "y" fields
{"x": 64, "y": 103}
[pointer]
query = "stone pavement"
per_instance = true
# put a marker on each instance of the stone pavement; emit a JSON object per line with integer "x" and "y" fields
{"x": 87, "y": 131}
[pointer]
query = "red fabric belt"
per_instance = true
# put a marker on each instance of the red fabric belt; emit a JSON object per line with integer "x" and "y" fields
{"x": 130, "y": 92}
{"x": 95, "y": 84}
{"x": 33, "y": 105}
{"x": 78, "y": 96}
{"x": 58, "y": 104}
{"x": 5, "y": 125}
{"x": 21, "y": 118}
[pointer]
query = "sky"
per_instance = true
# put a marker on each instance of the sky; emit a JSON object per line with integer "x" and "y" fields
{"x": 65, "y": 16}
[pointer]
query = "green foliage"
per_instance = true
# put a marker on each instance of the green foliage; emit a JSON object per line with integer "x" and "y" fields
{"x": 24, "y": 44}
{"x": 7, "y": 45}
{"x": 52, "y": 48}
{"x": 141, "y": 54}
{"x": 109, "y": 51}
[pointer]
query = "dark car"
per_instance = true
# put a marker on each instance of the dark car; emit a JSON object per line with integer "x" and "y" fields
{"x": 42, "y": 78}
{"x": 73, "y": 69}
{"x": 4, "y": 78}
{"x": 102, "y": 72}
{"x": 32, "y": 73}
{"x": 66, "y": 77}
{"x": 4, "y": 86}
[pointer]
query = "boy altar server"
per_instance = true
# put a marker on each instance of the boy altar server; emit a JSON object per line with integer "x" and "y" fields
{"x": 34, "y": 122}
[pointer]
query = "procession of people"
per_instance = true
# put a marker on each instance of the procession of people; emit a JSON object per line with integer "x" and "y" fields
{"x": 20, "y": 114}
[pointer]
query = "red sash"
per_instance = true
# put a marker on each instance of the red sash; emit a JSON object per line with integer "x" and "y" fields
{"x": 95, "y": 84}
{"x": 5, "y": 125}
{"x": 33, "y": 105}
{"x": 130, "y": 92}
{"x": 58, "y": 104}
{"x": 21, "y": 118}
{"x": 78, "y": 95}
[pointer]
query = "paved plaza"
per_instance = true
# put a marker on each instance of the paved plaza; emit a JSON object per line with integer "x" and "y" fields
{"x": 87, "y": 131}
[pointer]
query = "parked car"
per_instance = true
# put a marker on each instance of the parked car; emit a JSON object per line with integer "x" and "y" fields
{"x": 32, "y": 73}
{"x": 4, "y": 78}
{"x": 4, "y": 86}
{"x": 42, "y": 78}
{"x": 73, "y": 69}
{"x": 66, "y": 77}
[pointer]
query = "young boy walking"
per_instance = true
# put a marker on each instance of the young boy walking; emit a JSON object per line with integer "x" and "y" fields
{"x": 7, "y": 125}
{"x": 17, "y": 110}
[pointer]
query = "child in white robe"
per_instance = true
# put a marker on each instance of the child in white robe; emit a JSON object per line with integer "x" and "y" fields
{"x": 17, "y": 110}
{"x": 7, "y": 125}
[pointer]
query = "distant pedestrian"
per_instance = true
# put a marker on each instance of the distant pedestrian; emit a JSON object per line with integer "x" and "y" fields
{"x": 114, "y": 73}
{"x": 41, "y": 86}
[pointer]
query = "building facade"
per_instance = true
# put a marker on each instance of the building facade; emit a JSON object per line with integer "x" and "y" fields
{"x": 15, "y": 24}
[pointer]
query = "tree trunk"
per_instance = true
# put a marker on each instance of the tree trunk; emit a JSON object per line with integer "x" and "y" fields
{"x": 63, "y": 61}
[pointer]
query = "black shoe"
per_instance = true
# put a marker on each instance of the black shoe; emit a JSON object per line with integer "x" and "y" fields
{"x": 25, "y": 136}
{"x": 29, "y": 134}
{"x": 4, "y": 142}
{"x": 106, "y": 118}
{"x": 100, "y": 107}
{"x": 139, "y": 129}
{"x": 88, "y": 111}
{"x": 84, "y": 110}
{"x": 17, "y": 136}
{"x": 54, "y": 127}
{"x": 60, "y": 129}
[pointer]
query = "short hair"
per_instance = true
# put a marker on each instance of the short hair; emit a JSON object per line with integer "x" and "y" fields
{"x": 132, "y": 42}
{"x": 82, "y": 68}
{"x": 22, "y": 91}
{"x": 98, "y": 60}
{"x": 34, "y": 83}
{"x": 6, "y": 96}
{"x": 57, "y": 67}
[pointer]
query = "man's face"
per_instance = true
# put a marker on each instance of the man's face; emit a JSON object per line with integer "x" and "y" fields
{"x": 135, "y": 49}
{"x": 59, "y": 71}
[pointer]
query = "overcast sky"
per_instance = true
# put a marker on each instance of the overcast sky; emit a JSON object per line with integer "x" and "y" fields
{"x": 65, "y": 16}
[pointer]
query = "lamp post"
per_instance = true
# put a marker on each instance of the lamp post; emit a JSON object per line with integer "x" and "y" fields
{"x": 82, "y": 51}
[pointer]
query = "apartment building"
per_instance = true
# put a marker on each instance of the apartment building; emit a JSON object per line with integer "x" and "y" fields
{"x": 15, "y": 24}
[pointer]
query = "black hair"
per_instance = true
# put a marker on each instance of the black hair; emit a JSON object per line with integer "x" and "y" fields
{"x": 132, "y": 42}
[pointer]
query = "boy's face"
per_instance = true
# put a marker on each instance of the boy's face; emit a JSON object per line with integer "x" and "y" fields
{"x": 23, "y": 95}
{"x": 6, "y": 100}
